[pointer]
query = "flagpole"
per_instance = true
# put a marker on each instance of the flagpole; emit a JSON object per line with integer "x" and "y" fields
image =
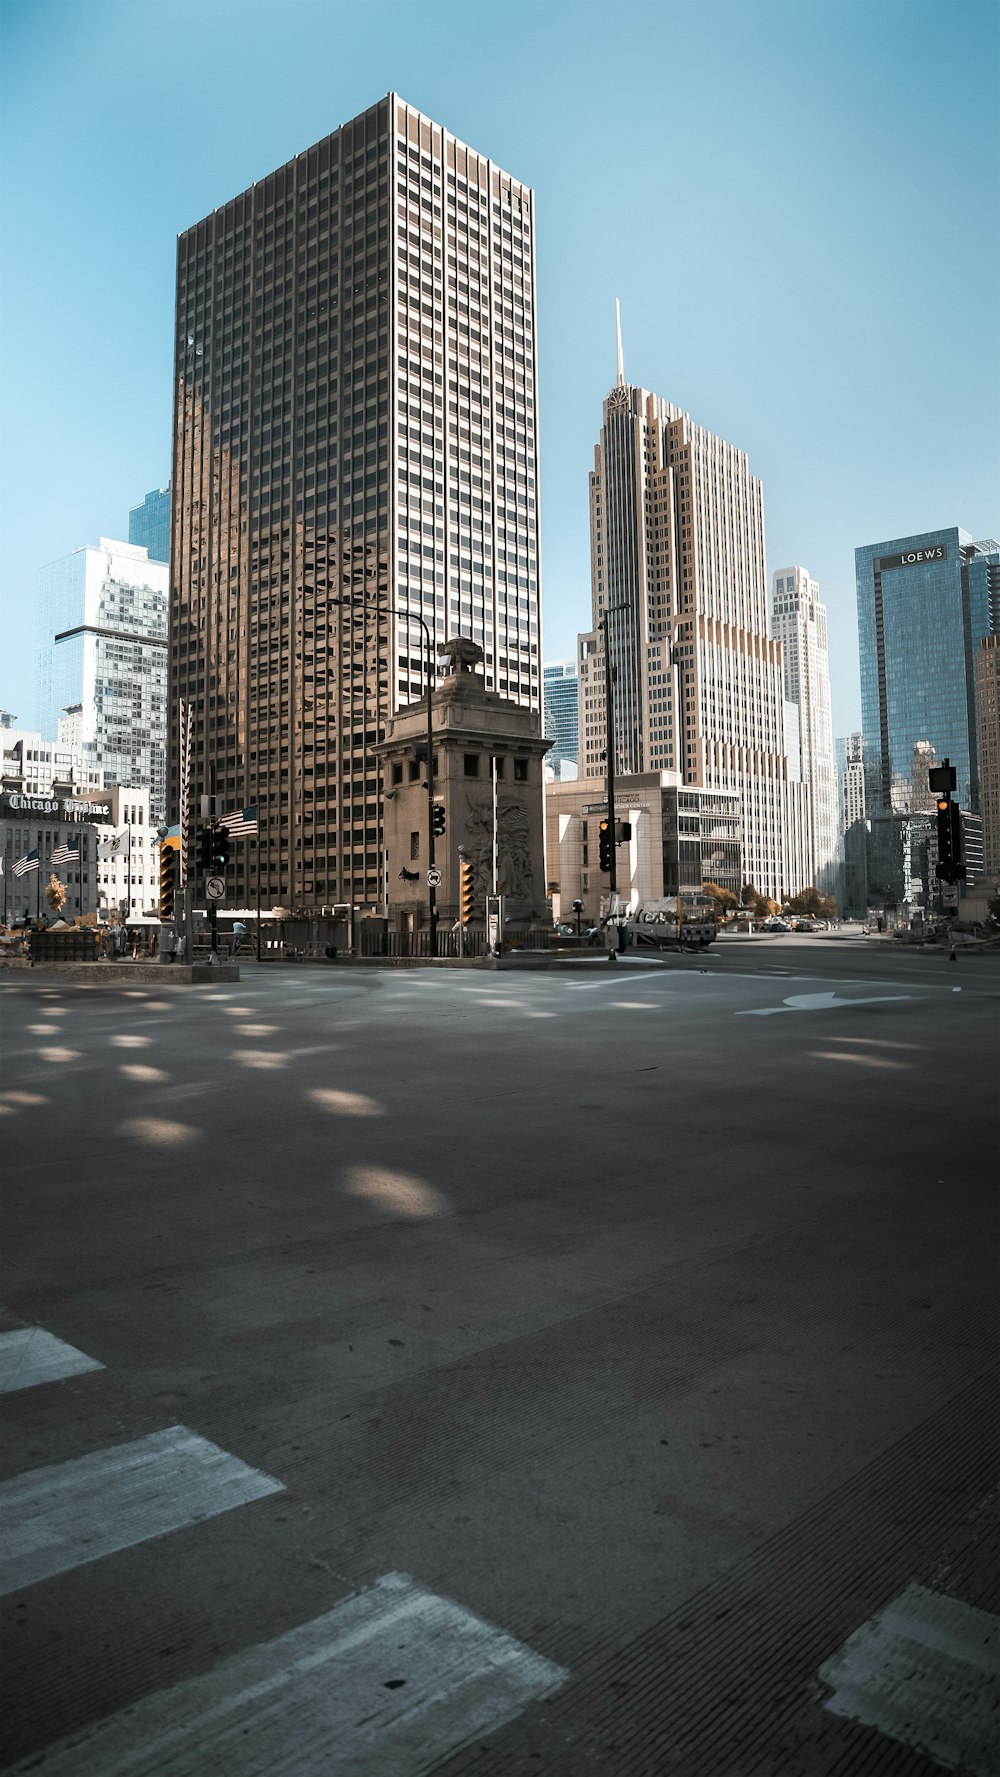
{"x": 257, "y": 874}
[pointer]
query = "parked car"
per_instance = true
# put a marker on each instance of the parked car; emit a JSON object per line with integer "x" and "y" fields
{"x": 776, "y": 925}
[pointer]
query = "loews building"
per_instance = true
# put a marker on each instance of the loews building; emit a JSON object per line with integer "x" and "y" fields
{"x": 561, "y": 687}
{"x": 355, "y": 429}
{"x": 677, "y": 539}
{"x": 924, "y": 604}
{"x": 799, "y": 624}
{"x": 149, "y": 524}
{"x": 102, "y": 645}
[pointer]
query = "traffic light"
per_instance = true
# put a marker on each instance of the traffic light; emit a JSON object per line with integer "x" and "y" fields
{"x": 169, "y": 873}
{"x": 950, "y": 867}
{"x": 606, "y": 842}
{"x": 467, "y": 892}
{"x": 220, "y": 847}
{"x": 438, "y": 820}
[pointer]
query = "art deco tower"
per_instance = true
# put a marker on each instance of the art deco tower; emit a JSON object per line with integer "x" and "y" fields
{"x": 355, "y": 420}
{"x": 799, "y": 622}
{"x": 677, "y": 539}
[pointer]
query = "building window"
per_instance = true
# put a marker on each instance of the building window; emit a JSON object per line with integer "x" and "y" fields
{"x": 472, "y": 764}
{"x": 397, "y": 774}
{"x": 520, "y": 771}
{"x": 414, "y": 845}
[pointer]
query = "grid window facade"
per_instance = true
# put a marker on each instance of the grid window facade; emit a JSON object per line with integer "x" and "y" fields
{"x": 355, "y": 428}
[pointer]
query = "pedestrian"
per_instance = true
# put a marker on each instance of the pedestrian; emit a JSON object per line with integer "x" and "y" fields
{"x": 135, "y": 940}
{"x": 239, "y": 930}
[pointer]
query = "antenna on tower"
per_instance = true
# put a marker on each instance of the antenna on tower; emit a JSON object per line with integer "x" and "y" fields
{"x": 618, "y": 330}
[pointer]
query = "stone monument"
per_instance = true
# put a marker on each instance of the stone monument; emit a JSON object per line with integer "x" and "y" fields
{"x": 472, "y": 727}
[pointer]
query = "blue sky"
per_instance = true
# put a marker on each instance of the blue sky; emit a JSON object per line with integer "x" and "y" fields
{"x": 796, "y": 201}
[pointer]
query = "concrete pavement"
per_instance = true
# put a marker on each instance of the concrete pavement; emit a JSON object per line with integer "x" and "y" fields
{"x": 642, "y": 1321}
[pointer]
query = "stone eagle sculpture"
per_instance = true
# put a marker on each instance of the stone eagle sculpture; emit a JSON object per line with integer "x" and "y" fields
{"x": 462, "y": 652}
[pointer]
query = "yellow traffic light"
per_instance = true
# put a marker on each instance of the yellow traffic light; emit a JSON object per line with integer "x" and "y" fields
{"x": 170, "y": 851}
{"x": 467, "y": 892}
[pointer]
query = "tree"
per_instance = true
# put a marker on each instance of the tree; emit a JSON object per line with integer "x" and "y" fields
{"x": 55, "y": 894}
{"x": 725, "y": 900}
{"x": 756, "y": 903}
{"x": 812, "y": 905}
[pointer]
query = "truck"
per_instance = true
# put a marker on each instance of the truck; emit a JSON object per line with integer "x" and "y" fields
{"x": 655, "y": 925}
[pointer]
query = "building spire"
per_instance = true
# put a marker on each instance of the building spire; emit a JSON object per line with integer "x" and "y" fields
{"x": 618, "y": 330}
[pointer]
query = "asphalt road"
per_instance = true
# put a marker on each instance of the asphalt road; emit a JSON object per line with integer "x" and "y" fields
{"x": 504, "y": 1373}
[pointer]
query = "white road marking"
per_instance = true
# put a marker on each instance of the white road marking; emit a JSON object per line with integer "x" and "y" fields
{"x": 389, "y": 1681}
{"x": 820, "y": 1002}
{"x": 61, "y": 1517}
{"x": 30, "y": 1356}
{"x": 924, "y": 1671}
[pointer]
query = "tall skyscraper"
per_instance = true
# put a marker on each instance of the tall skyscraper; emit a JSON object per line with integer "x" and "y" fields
{"x": 149, "y": 524}
{"x": 355, "y": 449}
{"x": 988, "y": 722}
{"x": 924, "y": 604}
{"x": 102, "y": 644}
{"x": 677, "y": 568}
{"x": 799, "y": 624}
{"x": 852, "y": 890}
{"x": 562, "y": 718}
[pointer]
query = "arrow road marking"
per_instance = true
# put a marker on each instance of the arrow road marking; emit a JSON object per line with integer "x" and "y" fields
{"x": 820, "y": 1002}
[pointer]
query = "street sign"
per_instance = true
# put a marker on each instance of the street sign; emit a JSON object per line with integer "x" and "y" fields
{"x": 215, "y": 888}
{"x": 433, "y": 879}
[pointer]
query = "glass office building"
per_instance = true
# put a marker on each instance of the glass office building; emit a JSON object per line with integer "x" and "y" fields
{"x": 149, "y": 524}
{"x": 562, "y": 717}
{"x": 924, "y": 604}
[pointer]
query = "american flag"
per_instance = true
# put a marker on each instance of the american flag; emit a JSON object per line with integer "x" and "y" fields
{"x": 67, "y": 853}
{"x": 30, "y": 861}
{"x": 241, "y": 822}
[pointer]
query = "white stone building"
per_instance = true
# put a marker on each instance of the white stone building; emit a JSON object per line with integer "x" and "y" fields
{"x": 128, "y": 858}
{"x": 102, "y": 645}
{"x": 799, "y": 623}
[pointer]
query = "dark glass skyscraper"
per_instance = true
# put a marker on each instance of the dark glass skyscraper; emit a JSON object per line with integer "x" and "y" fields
{"x": 354, "y": 455}
{"x": 924, "y": 604}
{"x": 149, "y": 524}
{"x": 562, "y": 715}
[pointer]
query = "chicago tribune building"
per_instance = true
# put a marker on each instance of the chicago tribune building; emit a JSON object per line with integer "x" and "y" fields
{"x": 355, "y": 448}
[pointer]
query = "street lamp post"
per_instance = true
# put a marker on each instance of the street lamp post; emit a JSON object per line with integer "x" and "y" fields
{"x": 415, "y": 617}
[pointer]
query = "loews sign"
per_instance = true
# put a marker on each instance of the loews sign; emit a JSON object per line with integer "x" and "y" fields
{"x": 58, "y": 808}
{"x": 912, "y": 557}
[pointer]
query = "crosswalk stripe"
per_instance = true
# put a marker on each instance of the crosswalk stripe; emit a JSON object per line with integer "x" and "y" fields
{"x": 30, "y": 1356}
{"x": 63, "y": 1516}
{"x": 389, "y": 1681}
{"x": 924, "y": 1671}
